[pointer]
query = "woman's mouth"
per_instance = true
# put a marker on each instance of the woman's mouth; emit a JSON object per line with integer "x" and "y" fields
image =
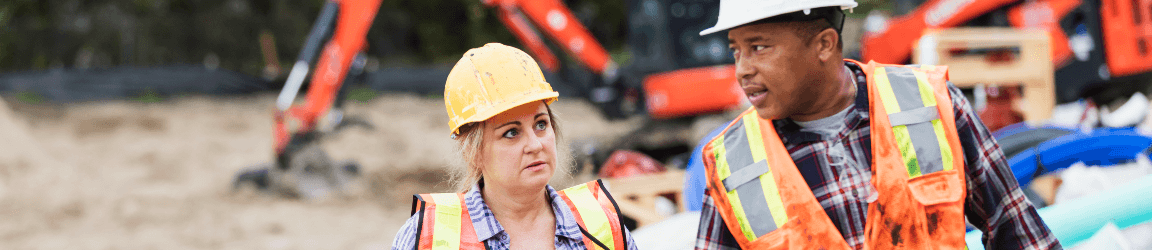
{"x": 537, "y": 165}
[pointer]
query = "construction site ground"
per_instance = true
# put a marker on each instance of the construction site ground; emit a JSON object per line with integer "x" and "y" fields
{"x": 135, "y": 175}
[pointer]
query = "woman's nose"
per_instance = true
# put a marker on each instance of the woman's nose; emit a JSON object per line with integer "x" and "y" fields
{"x": 534, "y": 143}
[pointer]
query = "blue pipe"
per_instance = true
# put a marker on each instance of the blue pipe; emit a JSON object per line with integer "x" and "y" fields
{"x": 1077, "y": 220}
{"x": 1102, "y": 147}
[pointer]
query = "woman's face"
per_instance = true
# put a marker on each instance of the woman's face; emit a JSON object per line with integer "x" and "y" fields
{"x": 519, "y": 147}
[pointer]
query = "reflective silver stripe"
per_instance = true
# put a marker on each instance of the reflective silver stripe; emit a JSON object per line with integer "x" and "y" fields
{"x": 917, "y": 118}
{"x": 927, "y": 147}
{"x": 918, "y": 115}
{"x": 739, "y": 157}
{"x": 905, "y": 87}
{"x": 736, "y": 147}
{"x": 745, "y": 175}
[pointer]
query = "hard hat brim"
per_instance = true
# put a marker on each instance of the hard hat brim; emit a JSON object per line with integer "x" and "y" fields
{"x": 750, "y": 19}
{"x": 548, "y": 97}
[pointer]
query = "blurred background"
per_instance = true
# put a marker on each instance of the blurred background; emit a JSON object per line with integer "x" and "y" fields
{"x": 154, "y": 124}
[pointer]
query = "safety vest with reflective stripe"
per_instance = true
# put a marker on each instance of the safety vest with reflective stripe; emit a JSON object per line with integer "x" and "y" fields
{"x": 445, "y": 223}
{"x": 917, "y": 169}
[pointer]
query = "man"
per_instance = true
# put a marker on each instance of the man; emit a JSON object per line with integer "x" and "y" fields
{"x": 837, "y": 154}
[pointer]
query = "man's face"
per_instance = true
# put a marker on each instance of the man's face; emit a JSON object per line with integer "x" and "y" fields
{"x": 775, "y": 67}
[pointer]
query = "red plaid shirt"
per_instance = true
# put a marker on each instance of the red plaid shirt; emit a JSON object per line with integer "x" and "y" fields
{"x": 995, "y": 203}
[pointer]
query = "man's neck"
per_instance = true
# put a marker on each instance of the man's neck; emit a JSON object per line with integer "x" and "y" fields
{"x": 841, "y": 97}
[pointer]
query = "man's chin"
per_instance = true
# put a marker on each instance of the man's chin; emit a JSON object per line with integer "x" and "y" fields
{"x": 769, "y": 113}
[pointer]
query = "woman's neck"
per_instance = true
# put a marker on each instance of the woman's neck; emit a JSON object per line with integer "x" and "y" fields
{"x": 511, "y": 205}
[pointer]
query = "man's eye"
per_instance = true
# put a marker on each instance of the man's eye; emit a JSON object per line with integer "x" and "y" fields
{"x": 759, "y": 47}
{"x": 541, "y": 125}
{"x": 736, "y": 53}
{"x": 511, "y": 133}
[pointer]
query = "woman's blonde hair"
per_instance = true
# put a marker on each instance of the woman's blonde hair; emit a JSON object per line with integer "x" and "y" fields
{"x": 470, "y": 144}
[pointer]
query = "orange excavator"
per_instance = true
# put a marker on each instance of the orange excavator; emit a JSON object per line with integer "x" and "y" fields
{"x": 1094, "y": 42}
{"x": 301, "y": 169}
{"x": 674, "y": 76}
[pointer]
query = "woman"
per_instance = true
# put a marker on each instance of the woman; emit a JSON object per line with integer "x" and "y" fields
{"x": 497, "y": 102}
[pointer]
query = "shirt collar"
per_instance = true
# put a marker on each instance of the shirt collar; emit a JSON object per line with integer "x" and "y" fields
{"x": 790, "y": 131}
{"x": 487, "y": 227}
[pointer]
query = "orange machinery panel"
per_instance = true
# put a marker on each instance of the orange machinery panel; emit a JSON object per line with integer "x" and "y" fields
{"x": 1046, "y": 14}
{"x": 895, "y": 44}
{"x": 692, "y": 91}
{"x": 1127, "y": 35}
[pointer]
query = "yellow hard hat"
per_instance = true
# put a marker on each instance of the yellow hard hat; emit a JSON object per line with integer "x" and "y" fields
{"x": 492, "y": 79}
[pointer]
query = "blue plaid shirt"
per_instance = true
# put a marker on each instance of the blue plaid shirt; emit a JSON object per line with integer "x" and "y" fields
{"x": 489, "y": 231}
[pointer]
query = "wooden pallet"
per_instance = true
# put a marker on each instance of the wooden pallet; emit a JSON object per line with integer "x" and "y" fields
{"x": 1030, "y": 65}
{"x": 636, "y": 195}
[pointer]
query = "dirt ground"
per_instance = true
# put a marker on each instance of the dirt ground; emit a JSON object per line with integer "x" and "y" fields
{"x": 130, "y": 175}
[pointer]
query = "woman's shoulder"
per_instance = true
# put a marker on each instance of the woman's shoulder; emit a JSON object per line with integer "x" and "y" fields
{"x": 406, "y": 237}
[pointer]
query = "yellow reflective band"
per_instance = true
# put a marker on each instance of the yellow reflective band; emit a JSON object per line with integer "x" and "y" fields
{"x": 767, "y": 182}
{"x": 926, "y": 92}
{"x": 907, "y": 152}
{"x": 724, "y": 171}
{"x": 885, "y": 89}
{"x": 945, "y": 148}
{"x": 721, "y": 160}
{"x": 595, "y": 220}
{"x": 446, "y": 232}
{"x": 755, "y": 140}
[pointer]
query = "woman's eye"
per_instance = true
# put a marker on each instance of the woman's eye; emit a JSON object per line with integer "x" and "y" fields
{"x": 541, "y": 125}
{"x": 511, "y": 133}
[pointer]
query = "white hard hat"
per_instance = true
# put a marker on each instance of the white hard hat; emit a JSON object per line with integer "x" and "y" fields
{"x": 734, "y": 13}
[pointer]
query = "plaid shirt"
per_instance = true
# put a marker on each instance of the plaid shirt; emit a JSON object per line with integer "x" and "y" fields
{"x": 489, "y": 231}
{"x": 995, "y": 203}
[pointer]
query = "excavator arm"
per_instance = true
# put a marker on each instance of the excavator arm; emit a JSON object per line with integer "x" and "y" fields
{"x": 352, "y": 19}
{"x": 558, "y": 22}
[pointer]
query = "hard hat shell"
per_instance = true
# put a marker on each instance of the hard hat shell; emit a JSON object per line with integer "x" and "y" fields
{"x": 734, "y": 13}
{"x": 492, "y": 79}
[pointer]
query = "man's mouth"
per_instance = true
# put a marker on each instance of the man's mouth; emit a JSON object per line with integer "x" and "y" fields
{"x": 754, "y": 91}
{"x": 752, "y": 95}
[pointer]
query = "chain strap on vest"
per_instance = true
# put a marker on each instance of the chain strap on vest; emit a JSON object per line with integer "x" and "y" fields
{"x": 446, "y": 224}
{"x": 767, "y": 204}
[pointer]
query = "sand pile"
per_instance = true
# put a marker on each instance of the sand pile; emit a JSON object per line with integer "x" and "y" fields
{"x": 127, "y": 175}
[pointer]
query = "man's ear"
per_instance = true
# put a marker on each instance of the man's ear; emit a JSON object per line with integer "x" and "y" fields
{"x": 825, "y": 43}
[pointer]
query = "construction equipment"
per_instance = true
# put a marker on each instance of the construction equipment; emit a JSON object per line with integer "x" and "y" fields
{"x": 1095, "y": 43}
{"x": 301, "y": 168}
{"x": 674, "y": 76}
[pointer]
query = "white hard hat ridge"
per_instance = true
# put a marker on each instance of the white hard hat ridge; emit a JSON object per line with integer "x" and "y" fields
{"x": 734, "y": 13}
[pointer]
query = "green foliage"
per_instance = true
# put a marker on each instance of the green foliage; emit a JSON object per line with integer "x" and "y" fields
{"x": 30, "y": 97}
{"x": 147, "y": 96}
{"x": 362, "y": 94}
{"x": 40, "y": 34}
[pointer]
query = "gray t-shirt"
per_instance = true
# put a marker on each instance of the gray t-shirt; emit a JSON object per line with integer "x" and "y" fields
{"x": 827, "y": 126}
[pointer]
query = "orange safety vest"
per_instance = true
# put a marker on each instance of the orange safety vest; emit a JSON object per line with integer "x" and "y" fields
{"x": 917, "y": 168}
{"x": 445, "y": 215}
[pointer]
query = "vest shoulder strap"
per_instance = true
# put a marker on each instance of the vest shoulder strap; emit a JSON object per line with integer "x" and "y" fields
{"x": 914, "y": 99}
{"x": 597, "y": 214}
{"x": 444, "y": 222}
{"x": 740, "y": 174}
